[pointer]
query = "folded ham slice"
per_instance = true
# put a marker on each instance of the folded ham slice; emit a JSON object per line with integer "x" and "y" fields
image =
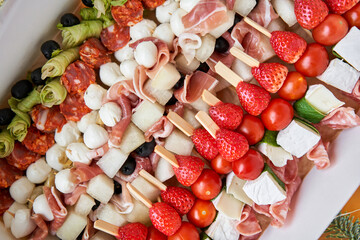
{"x": 287, "y": 173}
{"x": 71, "y": 198}
{"x": 341, "y": 118}
{"x": 89, "y": 230}
{"x": 141, "y": 163}
{"x": 85, "y": 172}
{"x": 161, "y": 129}
{"x": 230, "y": 4}
{"x": 248, "y": 224}
{"x": 356, "y": 91}
{"x": 123, "y": 202}
{"x": 189, "y": 43}
{"x": 57, "y": 208}
{"x": 42, "y": 230}
{"x": 319, "y": 155}
{"x": 99, "y": 152}
{"x": 263, "y": 13}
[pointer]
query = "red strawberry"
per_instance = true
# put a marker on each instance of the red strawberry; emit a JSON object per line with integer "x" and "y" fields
{"x": 288, "y": 45}
{"x": 179, "y": 198}
{"x": 226, "y": 115}
{"x": 164, "y": 218}
{"x": 310, "y": 13}
{"x": 189, "y": 169}
{"x": 254, "y": 99}
{"x": 231, "y": 145}
{"x": 340, "y": 6}
{"x": 271, "y": 76}
{"x": 205, "y": 144}
{"x": 133, "y": 231}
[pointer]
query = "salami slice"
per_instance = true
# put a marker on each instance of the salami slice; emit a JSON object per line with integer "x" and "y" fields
{"x": 94, "y": 53}
{"x": 8, "y": 174}
{"x": 47, "y": 119}
{"x": 128, "y": 14}
{"x": 151, "y": 4}
{"x": 77, "y": 77}
{"x": 5, "y": 200}
{"x": 21, "y": 157}
{"x": 38, "y": 142}
{"x": 74, "y": 108}
{"x": 115, "y": 37}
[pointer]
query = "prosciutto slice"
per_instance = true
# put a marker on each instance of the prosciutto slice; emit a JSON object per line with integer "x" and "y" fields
{"x": 248, "y": 224}
{"x": 263, "y": 13}
{"x": 319, "y": 155}
{"x": 154, "y": 157}
{"x": 356, "y": 91}
{"x": 161, "y": 129}
{"x": 287, "y": 173}
{"x": 99, "y": 152}
{"x": 71, "y": 198}
{"x": 123, "y": 202}
{"x": 89, "y": 230}
{"x": 341, "y": 118}
{"x": 230, "y": 4}
{"x": 42, "y": 230}
{"x": 189, "y": 43}
{"x": 85, "y": 172}
{"x": 141, "y": 163}
{"x": 205, "y": 16}
{"x": 57, "y": 208}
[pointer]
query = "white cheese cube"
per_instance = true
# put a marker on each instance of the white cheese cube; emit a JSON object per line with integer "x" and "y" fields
{"x": 164, "y": 170}
{"x": 166, "y": 78}
{"x": 72, "y": 227}
{"x": 7, "y": 217}
{"x": 349, "y": 48}
{"x": 223, "y": 228}
{"x": 234, "y": 186}
{"x": 84, "y": 204}
{"x": 340, "y": 75}
{"x": 297, "y": 138}
{"x": 277, "y": 155}
{"x": 228, "y": 205}
{"x": 101, "y": 188}
{"x": 132, "y": 139}
{"x": 102, "y": 236}
{"x": 140, "y": 214}
{"x": 178, "y": 143}
{"x": 110, "y": 214}
{"x": 244, "y": 7}
{"x": 146, "y": 188}
{"x": 161, "y": 96}
{"x": 42, "y": 207}
{"x": 147, "y": 114}
{"x": 207, "y": 48}
{"x": 189, "y": 116}
{"x": 264, "y": 190}
{"x": 21, "y": 190}
{"x": 112, "y": 161}
{"x": 220, "y": 30}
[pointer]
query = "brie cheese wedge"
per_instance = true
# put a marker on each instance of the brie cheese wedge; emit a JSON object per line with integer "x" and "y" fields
{"x": 223, "y": 228}
{"x": 234, "y": 186}
{"x": 277, "y": 155}
{"x": 228, "y": 205}
{"x": 349, "y": 48}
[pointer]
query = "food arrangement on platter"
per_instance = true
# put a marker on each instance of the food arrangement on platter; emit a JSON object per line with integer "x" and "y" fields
{"x": 177, "y": 119}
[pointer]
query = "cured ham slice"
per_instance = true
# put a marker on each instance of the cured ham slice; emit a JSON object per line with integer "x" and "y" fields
{"x": 288, "y": 173}
{"x": 99, "y": 152}
{"x": 341, "y": 118}
{"x": 205, "y": 16}
{"x": 47, "y": 119}
{"x": 21, "y": 157}
{"x": 178, "y": 108}
{"x": 57, "y": 208}
{"x": 123, "y": 202}
{"x": 248, "y": 224}
{"x": 42, "y": 230}
{"x": 264, "y": 13}
{"x": 230, "y": 4}
{"x": 141, "y": 163}
{"x": 140, "y": 78}
{"x": 38, "y": 142}
{"x": 356, "y": 91}
{"x": 319, "y": 155}
{"x": 89, "y": 230}
{"x": 85, "y": 172}
{"x": 5, "y": 200}
{"x": 8, "y": 174}
{"x": 189, "y": 43}
{"x": 154, "y": 157}
{"x": 71, "y": 198}
{"x": 161, "y": 129}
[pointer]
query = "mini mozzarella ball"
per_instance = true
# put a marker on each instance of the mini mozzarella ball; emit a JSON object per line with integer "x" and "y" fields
{"x": 21, "y": 190}
{"x": 68, "y": 134}
{"x": 146, "y": 54}
{"x": 176, "y": 23}
{"x": 93, "y": 96}
{"x": 164, "y": 32}
{"x": 95, "y": 136}
{"x": 65, "y": 181}
{"x": 55, "y": 157}
{"x": 188, "y": 5}
{"x": 86, "y": 120}
{"x": 41, "y": 206}
{"x": 125, "y": 53}
{"x": 128, "y": 67}
{"x": 164, "y": 12}
{"x": 109, "y": 73}
{"x": 110, "y": 114}
{"x": 143, "y": 29}
{"x": 77, "y": 152}
{"x": 22, "y": 225}
{"x": 38, "y": 171}
{"x": 7, "y": 217}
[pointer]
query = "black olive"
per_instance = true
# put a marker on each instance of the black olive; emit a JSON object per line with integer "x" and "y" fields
{"x": 36, "y": 77}
{"x": 6, "y": 115}
{"x": 172, "y": 101}
{"x": 180, "y": 83}
{"x": 203, "y": 67}
{"x": 117, "y": 188}
{"x": 129, "y": 166}
{"x": 221, "y": 45}
{"x": 21, "y": 89}
{"x": 88, "y": 3}
{"x": 69, "y": 19}
{"x": 97, "y": 204}
{"x": 48, "y": 47}
{"x": 146, "y": 149}
{"x": 237, "y": 19}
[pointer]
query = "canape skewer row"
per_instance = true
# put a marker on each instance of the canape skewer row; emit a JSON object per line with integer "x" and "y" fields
{"x": 209, "y": 98}
{"x": 168, "y": 156}
{"x": 106, "y": 227}
{"x": 181, "y": 124}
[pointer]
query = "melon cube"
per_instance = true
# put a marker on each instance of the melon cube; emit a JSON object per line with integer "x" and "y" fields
{"x": 72, "y": 227}
{"x": 132, "y": 139}
{"x": 110, "y": 214}
{"x": 147, "y": 114}
{"x": 101, "y": 188}
{"x": 178, "y": 143}
{"x": 84, "y": 204}
{"x": 166, "y": 78}
{"x": 189, "y": 116}
{"x": 161, "y": 96}
{"x": 112, "y": 161}
{"x": 184, "y": 67}
{"x": 285, "y": 9}
{"x": 146, "y": 188}
{"x": 244, "y": 7}
{"x": 140, "y": 214}
{"x": 164, "y": 170}
{"x": 200, "y": 105}
{"x": 220, "y": 30}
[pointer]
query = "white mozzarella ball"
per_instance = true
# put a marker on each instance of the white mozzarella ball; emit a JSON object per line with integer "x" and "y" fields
{"x": 38, "y": 171}
{"x": 22, "y": 225}
{"x": 65, "y": 181}
{"x": 125, "y": 53}
{"x": 176, "y": 23}
{"x": 86, "y": 120}
{"x": 77, "y": 152}
{"x": 21, "y": 190}
{"x": 164, "y": 32}
{"x": 7, "y": 217}
{"x": 146, "y": 54}
{"x": 110, "y": 113}
{"x": 109, "y": 73}
{"x": 128, "y": 67}
{"x": 56, "y": 157}
{"x": 68, "y": 134}
{"x": 95, "y": 136}
{"x": 93, "y": 96}
{"x": 164, "y": 12}
{"x": 188, "y": 5}
{"x": 143, "y": 29}
{"x": 41, "y": 206}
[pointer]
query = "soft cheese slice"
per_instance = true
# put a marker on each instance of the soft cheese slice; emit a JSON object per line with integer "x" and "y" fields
{"x": 340, "y": 75}
{"x": 264, "y": 190}
{"x": 349, "y": 48}
{"x": 223, "y": 228}
{"x": 277, "y": 155}
{"x": 297, "y": 138}
{"x": 234, "y": 186}
{"x": 322, "y": 99}
{"x": 228, "y": 205}
{"x": 147, "y": 114}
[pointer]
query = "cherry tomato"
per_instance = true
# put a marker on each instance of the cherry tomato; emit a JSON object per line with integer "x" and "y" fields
{"x": 294, "y": 87}
{"x": 277, "y": 115}
{"x": 220, "y": 165}
{"x": 207, "y": 186}
{"x": 353, "y": 16}
{"x": 187, "y": 231}
{"x": 154, "y": 234}
{"x": 202, "y": 214}
{"x": 250, "y": 166}
{"x": 252, "y": 128}
{"x": 314, "y": 61}
{"x": 331, "y": 30}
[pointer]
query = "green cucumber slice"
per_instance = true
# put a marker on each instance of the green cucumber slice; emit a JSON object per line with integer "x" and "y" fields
{"x": 269, "y": 170}
{"x": 305, "y": 110}
{"x": 270, "y": 138}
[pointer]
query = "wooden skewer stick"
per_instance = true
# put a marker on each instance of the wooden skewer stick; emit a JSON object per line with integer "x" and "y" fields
{"x": 151, "y": 179}
{"x": 106, "y": 227}
{"x": 168, "y": 156}
{"x": 209, "y": 98}
{"x": 228, "y": 74}
{"x": 257, "y": 27}
{"x": 180, "y": 123}
{"x": 207, "y": 123}
{"x": 245, "y": 58}
{"x": 12, "y": 214}
{"x": 138, "y": 195}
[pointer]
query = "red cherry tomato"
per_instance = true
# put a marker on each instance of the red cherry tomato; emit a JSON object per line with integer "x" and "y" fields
{"x": 353, "y": 16}
{"x": 220, "y": 165}
{"x": 277, "y": 115}
{"x": 187, "y": 231}
{"x": 331, "y": 30}
{"x": 252, "y": 128}
{"x": 314, "y": 61}
{"x": 250, "y": 166}
{"x": 207, "y": 186}
{"x": 154, "y": 234}
{"x": 202, "y": 214}
{"x": 294, "y": 87}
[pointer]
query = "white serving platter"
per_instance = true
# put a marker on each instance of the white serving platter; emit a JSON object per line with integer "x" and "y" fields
{"x": 25, "y": 24}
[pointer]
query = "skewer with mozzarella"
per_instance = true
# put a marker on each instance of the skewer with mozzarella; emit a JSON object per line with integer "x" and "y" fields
{"x": 41, "y": 206}
{"x": 65, "y": 181}
{"x": 68, "y": 134}
{"x": 94, "y": 94}
{"x": 22, "y": 224}
{"x": 56, "y": 158}
{"x": 21, "y": 190}
{"x": 38, "y": 171}
{"x": 142, "y": 29}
